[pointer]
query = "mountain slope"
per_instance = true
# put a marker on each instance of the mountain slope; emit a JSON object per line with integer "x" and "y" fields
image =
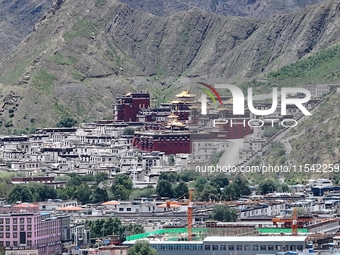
{"x": 85, "y": 52}
{"x": 17, "y": 19}
{"x": 249, "y": 8}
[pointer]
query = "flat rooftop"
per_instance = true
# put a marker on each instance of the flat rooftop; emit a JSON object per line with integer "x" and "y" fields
{"x": 254, "y": 239}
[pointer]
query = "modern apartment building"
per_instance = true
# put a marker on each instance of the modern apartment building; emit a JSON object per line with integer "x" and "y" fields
{"x": 30, "y": 233}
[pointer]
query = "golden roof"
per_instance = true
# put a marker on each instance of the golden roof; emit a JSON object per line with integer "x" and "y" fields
{"x": 185, "y": 93}
{"x": 172, "y": 115}
{"x": 175, "y": 123}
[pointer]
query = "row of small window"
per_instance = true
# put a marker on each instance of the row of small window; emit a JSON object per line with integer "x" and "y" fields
{"x": 127, "y": 209}
{"x": 177, "y": 246}
{"x": 15, "y": 227}
{"x": 14, "y": 220}
{"x": 14, "y": 243}
{"x": 14, "y": 235}
{"x": 254, "y": 247}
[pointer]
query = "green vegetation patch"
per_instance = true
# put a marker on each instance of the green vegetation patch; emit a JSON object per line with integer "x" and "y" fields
{"x": 324, "y": 66}
{"x": 43, "y": 81}
{"x": 77, "y": 75}
{"x": 81, "y": 28}
{"x": 63, "y": 60}
{"x": 15, "y": 73}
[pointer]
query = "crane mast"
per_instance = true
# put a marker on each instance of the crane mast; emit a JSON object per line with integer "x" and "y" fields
{"x": 190, "y": 215}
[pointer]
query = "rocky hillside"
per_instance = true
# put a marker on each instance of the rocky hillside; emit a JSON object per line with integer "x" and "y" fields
{"x": 17, "y": 20}
{"x": 249, "y": 8}
{"x": 82, "y": 53}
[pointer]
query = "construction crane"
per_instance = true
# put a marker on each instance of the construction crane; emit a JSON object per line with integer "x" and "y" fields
{"x": 170, "y": 204}
{"x": 293, "y": 222}
{"x": 190, "y": 213}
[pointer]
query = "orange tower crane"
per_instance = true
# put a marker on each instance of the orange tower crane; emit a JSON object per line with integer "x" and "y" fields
{"x": 190, "y": 214}
{"x": 172, "y": 204}
{"x": 294, "y": 222}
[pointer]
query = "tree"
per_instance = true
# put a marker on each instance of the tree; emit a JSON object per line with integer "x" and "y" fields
{"x": 243, "y": 185}
{"x": 171, "y": 177}
{"x": 142, "y": 248}
{"x": 171, "y": 160}
{"x": 99, "y": 195}
{"x": 66, "y": 193}
{"x": 220, "y": 180}
{"x": 20, "y": 193}
{"x": 120, "y": 192}
{"x": 74, "y": 181}
{"x": 209, "y": 192}
{"x": 164, "y": 189}
{"x": 67, "y": 122}
{"x": 109, "y": 226}
{"x": 199, "y": 184}
{"x": 41, "y": 192}
{"x": 188, "y": 175}
{"x": 224, "y": 213}
{"x": 122, "y": 187}
{"x": 231, "y": 192}
{"x": 267, "y": 186}
{"x": 83, "y": 193}
{"x": 99, "y": 177}
{"x": 123, "y": 180}
{"x": 145, "y": 192}
{"x": 181, "y": 189}
{"x": 128, "y": 131}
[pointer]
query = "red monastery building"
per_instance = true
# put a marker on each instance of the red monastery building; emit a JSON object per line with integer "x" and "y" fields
{"x": 167, "y": 142}
{"x": 128, "y": 106}
{"x": 166, "y": 127}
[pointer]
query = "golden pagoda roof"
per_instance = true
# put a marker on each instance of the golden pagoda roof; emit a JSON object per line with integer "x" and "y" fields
{"x": 175, "y": 122}
{"x": 172, "y": 115}
{"x": 185, "y": 93}
{"x": 128, "y": 94}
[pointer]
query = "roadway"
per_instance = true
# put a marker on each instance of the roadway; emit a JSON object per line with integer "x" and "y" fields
{"x": 232, "y": 154}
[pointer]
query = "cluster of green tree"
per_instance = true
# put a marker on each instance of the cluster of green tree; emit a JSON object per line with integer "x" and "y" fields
{"x": 224, "y": 213}
{"x": 6, "y": 185}
{"x": 306, "y": 66}
{"x": 142, "y": 248}
{"x": 110, "y": 226}
{"x": 67, "y": 122}
{"x": 144, "y": 192}
{"x": 215, "y": 188}
{"x": 128, "y": 131}
{"x": 122, "y": 187}
{"x": 270, "y": 185}
{"x": 76, "y": 188}
{"x": 221, "y": 188}
{"x": 32, "y": 192}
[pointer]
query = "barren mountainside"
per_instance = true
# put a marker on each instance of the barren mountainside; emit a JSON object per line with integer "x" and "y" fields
{"x": 17, "y": 19}
{"x": 249, "y": 8}
{"x": 83, "y": 53}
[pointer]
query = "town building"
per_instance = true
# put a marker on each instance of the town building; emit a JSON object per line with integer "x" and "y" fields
{"x": 38, "y": 234}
